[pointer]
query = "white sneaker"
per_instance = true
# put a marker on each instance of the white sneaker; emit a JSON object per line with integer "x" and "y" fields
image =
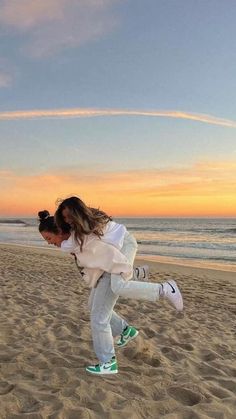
{"x": 141, "y": 273}
{"x": 172, "y": 293}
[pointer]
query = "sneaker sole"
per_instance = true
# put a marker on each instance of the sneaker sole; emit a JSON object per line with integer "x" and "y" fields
{"x": 128, "y": 340}
{"x": 102, "y": 373}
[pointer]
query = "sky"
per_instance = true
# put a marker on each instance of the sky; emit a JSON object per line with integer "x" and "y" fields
{"x": 128, "y": 104}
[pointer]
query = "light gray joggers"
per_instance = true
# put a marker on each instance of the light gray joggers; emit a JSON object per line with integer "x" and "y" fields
{"x": 105, "y": 323}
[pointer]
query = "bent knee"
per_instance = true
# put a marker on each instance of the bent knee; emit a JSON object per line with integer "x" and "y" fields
{"x": 99, "y": 323}
{"x": 117, "y": 285}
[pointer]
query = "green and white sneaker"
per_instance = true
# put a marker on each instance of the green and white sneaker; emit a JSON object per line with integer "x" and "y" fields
{"x": 109, "y": 367}
{"x": 126, "y": 336}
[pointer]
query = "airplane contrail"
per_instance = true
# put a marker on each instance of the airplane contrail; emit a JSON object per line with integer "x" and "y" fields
{"x": 91, "y": 113}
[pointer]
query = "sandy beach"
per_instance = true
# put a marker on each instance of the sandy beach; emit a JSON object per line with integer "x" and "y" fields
{"x": 181, "y": 366}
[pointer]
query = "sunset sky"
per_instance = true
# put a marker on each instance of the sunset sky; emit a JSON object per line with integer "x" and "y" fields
{"x": 129, "y": 104}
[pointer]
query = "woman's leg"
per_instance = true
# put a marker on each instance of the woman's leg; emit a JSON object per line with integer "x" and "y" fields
{"x": 133, "y": 289}
{"x": 137, "y": 290}
{"x": 148, "y": 291}
{"x": 118, "y": 324}
{"x": 103, "y": 301}
{"x": 144, "y": 290}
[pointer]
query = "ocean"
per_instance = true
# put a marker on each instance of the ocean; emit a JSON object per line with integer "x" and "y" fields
{"x": 203, "y": 242}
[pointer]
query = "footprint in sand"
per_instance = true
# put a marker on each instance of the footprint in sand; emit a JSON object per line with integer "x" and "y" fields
{"x": 5, "y": 387}
{"x": 172, "y": 353}
{"x": 228, "y": 384}
{"x": 184, "y": 396}
{"x": 8, "y": 356}
{"x": 219, "y": 392}
{"x": 149, "y": 360}
{"x": 186, "y": 346}
{"x": 28, "y": 416}
{"x": 224, "y": 350}
{"x": 150, "y": 333}
{"x": 204, "y": 369}
{"x": 142, "y": 354}
{"x": 207, "y": 355}
{"x": 134, "y": 389}
{"x": 26, "y": 401}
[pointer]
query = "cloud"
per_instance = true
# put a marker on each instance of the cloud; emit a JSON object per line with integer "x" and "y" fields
{"x": 202, "y": 178}
{"x": 27, "y": 14}
{"x": 203, "y": 188}
{"x": 90, "y": 113}
{"x": 8, "y": 72}
{"x": 5, "y": 80}
{"x": 56, "y": 24}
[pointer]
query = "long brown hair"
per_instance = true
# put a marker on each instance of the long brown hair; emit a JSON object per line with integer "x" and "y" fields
{"x": 85, "y": 220}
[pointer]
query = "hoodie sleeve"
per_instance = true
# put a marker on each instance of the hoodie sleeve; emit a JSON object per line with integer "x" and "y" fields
{"x": 69, "y": 245}
{"x": 100, "y": 255}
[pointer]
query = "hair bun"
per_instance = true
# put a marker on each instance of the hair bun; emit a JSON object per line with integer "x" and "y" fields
{"x": 43, "y": 215}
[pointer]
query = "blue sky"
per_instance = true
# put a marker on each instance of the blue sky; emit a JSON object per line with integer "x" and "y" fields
{"x": 169, "y": 55}
{"x": 159, "y": 54}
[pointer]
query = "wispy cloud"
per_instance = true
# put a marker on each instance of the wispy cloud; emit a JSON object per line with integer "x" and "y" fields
{"x": 56, "y": 24}
{"x": 90, "y": 113}
{"x": 5, "y": 80}
{"x": 8, "y": 72}
{"x": 27, "y": 14}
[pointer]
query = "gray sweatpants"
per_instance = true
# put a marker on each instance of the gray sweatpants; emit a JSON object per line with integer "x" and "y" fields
{"x": 137, "y": 290}
{"x": 105, "y": 323}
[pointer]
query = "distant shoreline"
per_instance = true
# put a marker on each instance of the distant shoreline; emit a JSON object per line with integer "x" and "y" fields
{"x": 11, "y": 221}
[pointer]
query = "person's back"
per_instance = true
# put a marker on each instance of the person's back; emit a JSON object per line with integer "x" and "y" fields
{"x": 100, "y": 255}
{"x": 89, "y": 226}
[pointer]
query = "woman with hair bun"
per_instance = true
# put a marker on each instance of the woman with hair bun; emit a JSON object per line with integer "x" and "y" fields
{"x": 49, "y": 230}
{"x": 60, "y": 236}
{"x": 105, "y": 252}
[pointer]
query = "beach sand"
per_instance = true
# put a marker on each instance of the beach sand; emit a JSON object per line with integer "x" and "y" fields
{"x": 182, "y": 365}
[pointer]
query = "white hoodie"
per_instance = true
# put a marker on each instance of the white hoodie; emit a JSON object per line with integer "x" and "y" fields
{"x": 101, "y": 254}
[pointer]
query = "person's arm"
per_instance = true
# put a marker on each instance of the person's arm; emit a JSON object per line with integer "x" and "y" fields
{"x": 70, "y": 245}
{"x": 100, "y": 255}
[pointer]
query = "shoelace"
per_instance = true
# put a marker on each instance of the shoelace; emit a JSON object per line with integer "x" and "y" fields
{"x": 99, "y": 365}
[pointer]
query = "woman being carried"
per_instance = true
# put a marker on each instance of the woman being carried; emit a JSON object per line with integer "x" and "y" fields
{"x": 105, "y": 251}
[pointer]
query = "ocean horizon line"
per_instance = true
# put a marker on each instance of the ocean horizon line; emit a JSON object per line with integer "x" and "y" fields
{"x": 9, "y": 217}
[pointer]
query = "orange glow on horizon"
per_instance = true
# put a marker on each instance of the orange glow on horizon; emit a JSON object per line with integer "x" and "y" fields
{"x": 205, "y": 189}
{"x": 141, "y": 206}
{"x": 220, "y": 206}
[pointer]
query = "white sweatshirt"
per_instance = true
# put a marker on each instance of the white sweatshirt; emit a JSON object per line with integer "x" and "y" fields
{"x": 101, "y": 255}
